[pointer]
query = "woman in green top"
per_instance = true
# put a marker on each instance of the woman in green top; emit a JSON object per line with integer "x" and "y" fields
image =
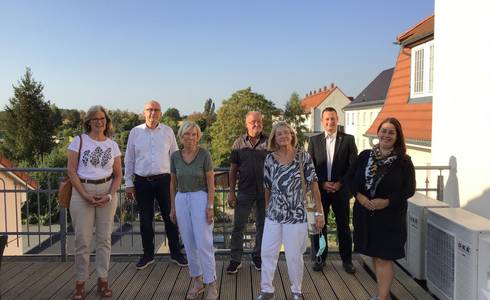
{"x": 192, "y": 196}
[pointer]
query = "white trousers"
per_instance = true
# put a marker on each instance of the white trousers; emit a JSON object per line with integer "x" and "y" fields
{"x": 294, "y": 238}
{"x": 84, "y": 216}
{"x": 196, "y": 234}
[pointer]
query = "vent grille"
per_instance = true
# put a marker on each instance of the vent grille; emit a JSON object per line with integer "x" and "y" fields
{"x": 440, "y": 260}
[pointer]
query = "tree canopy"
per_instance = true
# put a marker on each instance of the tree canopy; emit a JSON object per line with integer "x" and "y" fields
{"x": 29, "y": 124}
{"x": 230, "y": 121}
{"x": 294, "y": 115}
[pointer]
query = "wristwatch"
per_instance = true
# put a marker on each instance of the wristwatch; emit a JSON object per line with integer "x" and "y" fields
{"x": 318, "y": 214}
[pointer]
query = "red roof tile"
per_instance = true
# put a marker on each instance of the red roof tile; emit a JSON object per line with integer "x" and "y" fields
{"x": 315, "y": 98}
{"x": 31, "y": 182}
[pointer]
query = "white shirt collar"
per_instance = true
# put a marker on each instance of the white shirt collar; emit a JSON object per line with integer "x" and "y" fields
{"x": 333, "y": 135}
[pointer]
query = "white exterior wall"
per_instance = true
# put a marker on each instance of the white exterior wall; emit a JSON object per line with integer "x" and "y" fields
{"x": 462, "y": 80}
{"x": 358, "y": 122}
{"x": 422, "y": 156}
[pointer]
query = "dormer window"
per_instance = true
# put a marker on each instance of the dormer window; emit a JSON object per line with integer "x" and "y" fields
{"x": 422, "y": 72}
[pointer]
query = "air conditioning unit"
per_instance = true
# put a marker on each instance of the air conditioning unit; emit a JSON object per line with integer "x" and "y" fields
{"x": 414, "y": 260}
{"x": 458, "y": 254}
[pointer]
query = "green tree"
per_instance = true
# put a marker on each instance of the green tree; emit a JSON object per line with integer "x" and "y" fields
{"x": 28, "y": 125}
{"x": 295, "y": 115}
{"x": 230, "y": 121}
{"x": 172, "y": 118}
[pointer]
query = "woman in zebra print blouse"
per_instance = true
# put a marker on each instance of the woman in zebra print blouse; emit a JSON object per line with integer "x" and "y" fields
{"x": 285, "y": 221}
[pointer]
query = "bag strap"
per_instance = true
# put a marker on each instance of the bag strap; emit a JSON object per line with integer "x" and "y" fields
{"x": 79, "y": 150}
{"x": 302, "y": 175}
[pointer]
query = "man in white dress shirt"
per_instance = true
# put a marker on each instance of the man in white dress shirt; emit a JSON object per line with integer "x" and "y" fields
{"x": 147, "y": 178}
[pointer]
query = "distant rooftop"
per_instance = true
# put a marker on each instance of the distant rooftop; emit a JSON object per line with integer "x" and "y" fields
{"x": 375, "y": 92}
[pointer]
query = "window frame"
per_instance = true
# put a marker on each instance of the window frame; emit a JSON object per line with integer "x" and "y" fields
{"x": 427, "y": 72}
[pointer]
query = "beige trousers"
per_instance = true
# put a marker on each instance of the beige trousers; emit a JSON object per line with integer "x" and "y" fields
{"x": 84, "y": 216}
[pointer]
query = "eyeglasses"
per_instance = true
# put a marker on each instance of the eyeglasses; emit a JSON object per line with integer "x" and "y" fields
{"x": 156, "y": 110}
{"x": 98, "y": 119}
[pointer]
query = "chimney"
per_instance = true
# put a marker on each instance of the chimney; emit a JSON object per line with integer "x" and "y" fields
{"x": 325, "y": 88}
{"x": 332, "y": 85}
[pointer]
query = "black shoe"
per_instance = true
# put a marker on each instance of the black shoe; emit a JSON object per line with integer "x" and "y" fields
{"x": 318, "y": 266}
{"x": 179, "y": 259}
{"x": 233, "y": 267}
{"x": 144, "y": 262}
{"x": 257, "y": 261}
{"x": 349, "y": 267}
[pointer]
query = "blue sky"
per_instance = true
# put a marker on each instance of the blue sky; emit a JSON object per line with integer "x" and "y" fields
{"x": 123, "y": 53}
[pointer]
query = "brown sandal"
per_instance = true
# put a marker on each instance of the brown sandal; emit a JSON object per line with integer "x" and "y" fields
{"x": 103, "y": 288}
{"x": 79, "y": 292}
{"x": 197, "y": 289}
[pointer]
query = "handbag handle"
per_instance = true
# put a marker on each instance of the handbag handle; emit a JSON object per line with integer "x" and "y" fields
{"x": 302, "y": 175}
{"x": 79, "y": 150}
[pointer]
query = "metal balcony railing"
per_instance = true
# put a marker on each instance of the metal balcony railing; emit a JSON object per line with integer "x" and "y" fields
{"x": 31, "y": 215}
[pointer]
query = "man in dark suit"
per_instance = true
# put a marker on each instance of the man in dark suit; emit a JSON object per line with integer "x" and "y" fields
{"x": 333, "y": 153}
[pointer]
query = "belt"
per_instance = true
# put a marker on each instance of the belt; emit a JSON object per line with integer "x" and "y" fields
{"x": 98, "y": 181}
{"x": 151, "y": 177}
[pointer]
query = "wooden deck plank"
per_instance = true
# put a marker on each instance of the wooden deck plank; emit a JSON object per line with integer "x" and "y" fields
{"x": 33, "y": 290}
{"x": 308, "y": 288}
{"x": 244, "y": 284}
{"x": 164, "y": 289}
{"x": 278, "y": 286}
{"x": 25, "y": 279}
{"x": 182, "y": 284}
{"x": 138, "y": 281}
{"x": 286, "y": 283}
{"x": 355, "y": 287}
{"x": 320, "y": 282}
{"x": 397, "y": 289}
{"x": 228, "y": 286}
{"x": 53, "y": 287}
{"x": 123, "y": 280}
{"x": 66, "y": 290}
{"x": 6, "y": 266}
{"x": 339, "y": 287}
{"x": 255, "y": 281}
{"x": 147, "y": 291}
{"x": 413, "y": 287}
{"x": 55, "y": 280}
{"x": 8, "y": 274}
{"x": 365, "y": 279}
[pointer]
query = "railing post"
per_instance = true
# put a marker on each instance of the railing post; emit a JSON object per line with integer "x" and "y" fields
{"x": 440, "y": 187}
{"x": 63, "y": 230}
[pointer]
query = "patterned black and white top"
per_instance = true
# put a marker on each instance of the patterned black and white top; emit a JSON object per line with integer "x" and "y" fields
{"x": 286, "y": 204}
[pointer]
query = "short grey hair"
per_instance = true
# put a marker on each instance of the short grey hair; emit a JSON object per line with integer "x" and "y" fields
{"x": 186, "y": 126}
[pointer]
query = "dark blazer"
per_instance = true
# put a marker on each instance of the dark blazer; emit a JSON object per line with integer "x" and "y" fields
{"x": 344, "y": 157}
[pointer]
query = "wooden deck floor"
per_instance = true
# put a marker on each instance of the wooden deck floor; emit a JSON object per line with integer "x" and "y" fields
{"x": 164, "y": 280}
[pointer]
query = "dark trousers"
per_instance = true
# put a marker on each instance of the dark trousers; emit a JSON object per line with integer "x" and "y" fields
{"x": 243, "y": 208}
{"x": 146, "y": 194}
{"x": 340, "y": 207}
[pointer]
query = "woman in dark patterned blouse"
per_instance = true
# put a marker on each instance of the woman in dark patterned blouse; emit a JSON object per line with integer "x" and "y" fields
{"x": 382, "y": 179}
{"x": 285, "y": 221}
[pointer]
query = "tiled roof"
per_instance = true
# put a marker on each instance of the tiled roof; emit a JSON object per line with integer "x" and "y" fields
{"x": 416, "y": 118}
{"x": 315, "y": 98}
{"x": 423, "y": 30}
{"x": 32, "y": 183}
{"x": 375, "y": 92}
